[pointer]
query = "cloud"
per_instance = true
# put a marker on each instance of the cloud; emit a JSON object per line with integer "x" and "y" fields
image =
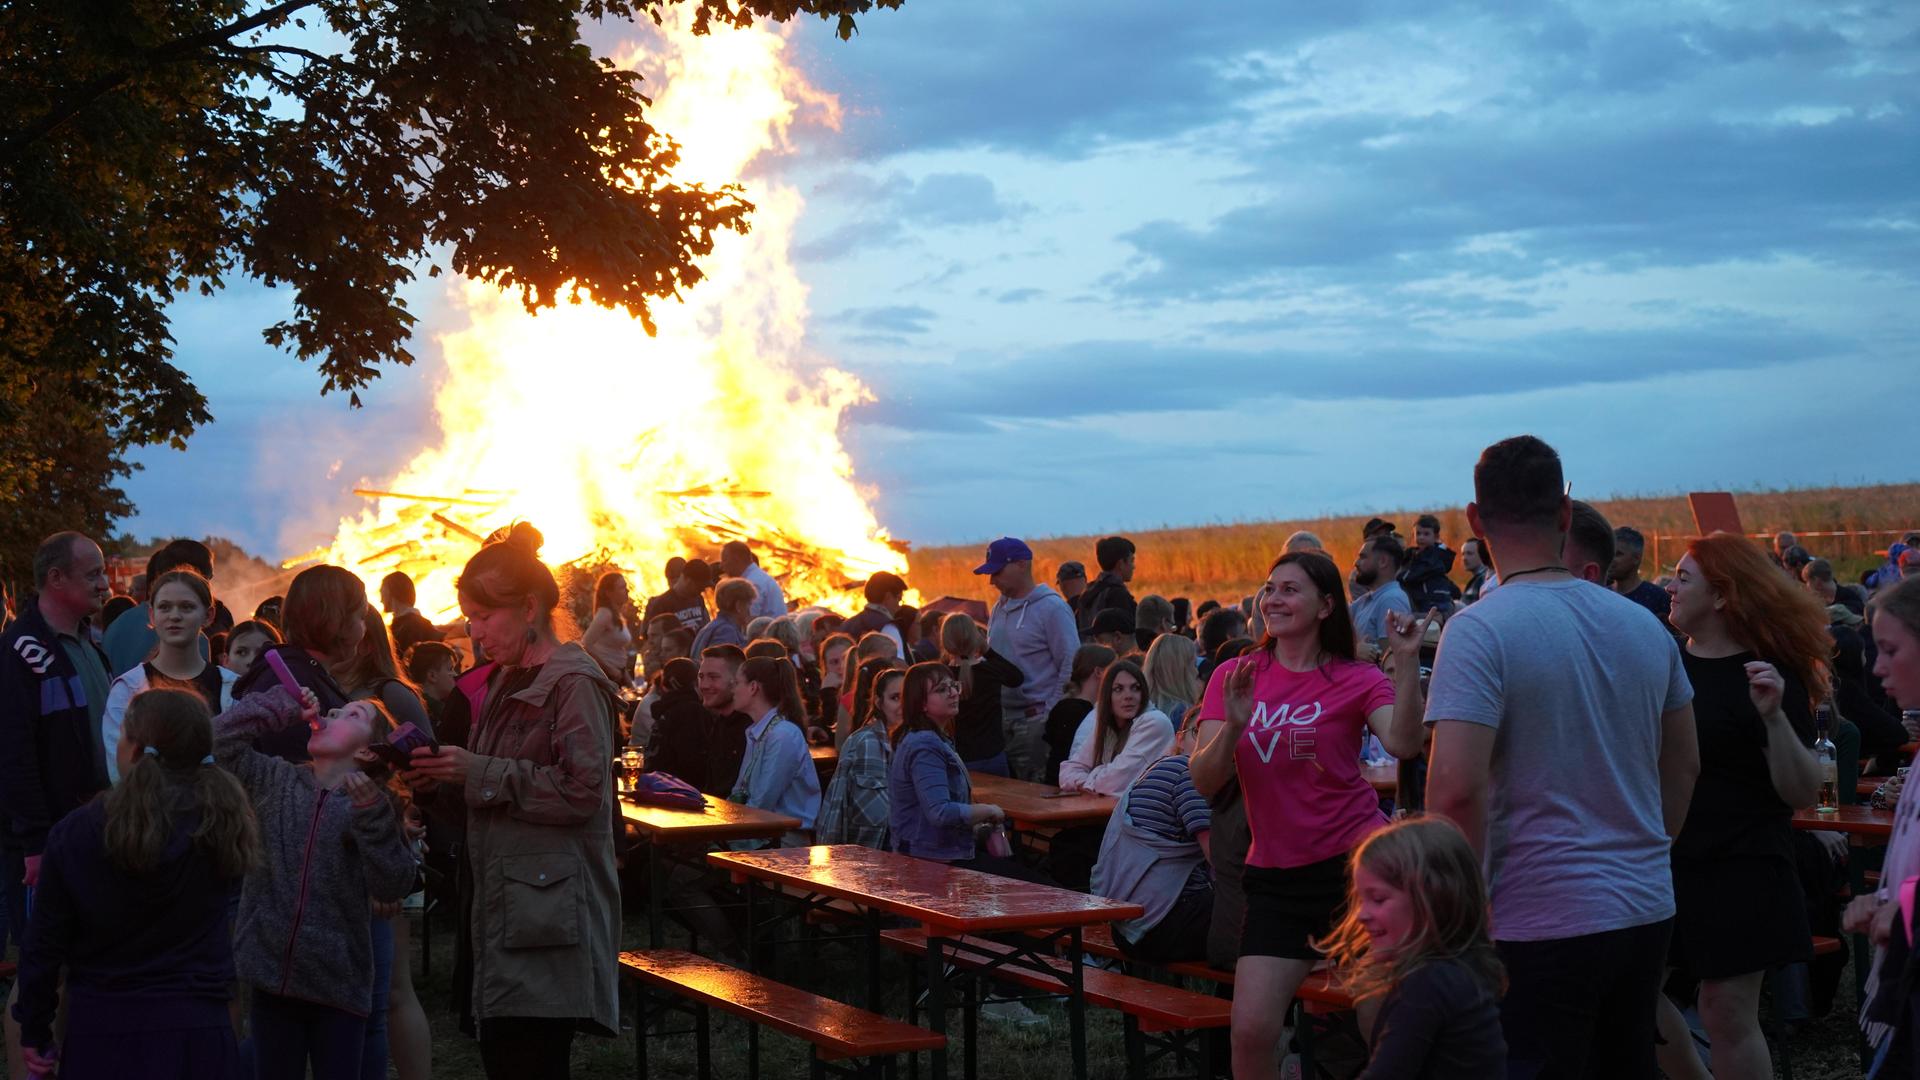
{"x": 1106, "y": 378}
{"x": 894, "y": 319}
{"x": 883, "y": 207}
{"x": 1018, "y": 296}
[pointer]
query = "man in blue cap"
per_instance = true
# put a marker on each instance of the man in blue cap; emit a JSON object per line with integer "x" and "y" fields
{"x": 1034, "y": 627}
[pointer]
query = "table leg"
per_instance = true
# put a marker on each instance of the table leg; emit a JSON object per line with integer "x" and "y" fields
{"x": 937, "y": 1001}
{"x": 972, "y": 997}
{"x": 656, "y": 886}
{"x": 702, "y": 1043}
{"x": 873, "y": 960}
{"x": 1077, "y": 1006}
{"x": 753, "y": 948}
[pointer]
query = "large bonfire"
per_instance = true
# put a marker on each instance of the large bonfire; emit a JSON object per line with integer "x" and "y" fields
{"x": 626, "y": 449}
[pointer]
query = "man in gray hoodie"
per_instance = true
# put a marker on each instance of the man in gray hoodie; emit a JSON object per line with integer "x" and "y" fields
{"x": 1034, "y": 627}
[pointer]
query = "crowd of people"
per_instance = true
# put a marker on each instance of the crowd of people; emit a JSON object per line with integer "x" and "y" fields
{"x": 213, "y": 828}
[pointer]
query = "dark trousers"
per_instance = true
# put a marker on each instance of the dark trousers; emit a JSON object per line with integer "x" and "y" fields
{"x": 13, "y": 871}
{"x": 1178, "y": 937}
{"x": 521, "y": 1047}
{"x": 288, "y": 1034}
{"x": 1584, "y": 1007}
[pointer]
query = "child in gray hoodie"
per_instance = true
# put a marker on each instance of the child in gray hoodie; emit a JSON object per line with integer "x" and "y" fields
{"x": 332, "y": 843}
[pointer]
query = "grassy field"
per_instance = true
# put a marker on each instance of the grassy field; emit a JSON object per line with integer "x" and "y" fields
{"x": 1228, "y": 561}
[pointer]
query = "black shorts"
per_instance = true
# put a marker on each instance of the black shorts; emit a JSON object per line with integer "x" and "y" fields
{"x": 1288, "y": 909}
{"x": 1738, "y": 916}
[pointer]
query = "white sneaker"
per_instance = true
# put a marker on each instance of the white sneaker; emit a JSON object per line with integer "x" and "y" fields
{"x": 1011, "y": 1012}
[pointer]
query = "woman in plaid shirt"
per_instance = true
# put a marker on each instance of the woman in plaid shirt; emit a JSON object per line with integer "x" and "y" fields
{"x": 855, "y": 809}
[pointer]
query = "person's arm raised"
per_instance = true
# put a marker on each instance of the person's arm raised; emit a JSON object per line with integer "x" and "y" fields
{"x": 1791, "y": 766}
{"x": 1402, "y": 725}
{"x": 1213, "y": 766}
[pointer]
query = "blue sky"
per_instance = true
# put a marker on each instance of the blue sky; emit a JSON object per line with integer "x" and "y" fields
{"x": 1114, "y": 265}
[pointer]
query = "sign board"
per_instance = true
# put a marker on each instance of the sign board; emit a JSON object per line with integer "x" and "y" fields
{"x": 1714, "y": 511}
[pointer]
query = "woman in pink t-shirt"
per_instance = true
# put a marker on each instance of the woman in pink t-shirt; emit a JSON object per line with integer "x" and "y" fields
{"x": 1289, "y": 719}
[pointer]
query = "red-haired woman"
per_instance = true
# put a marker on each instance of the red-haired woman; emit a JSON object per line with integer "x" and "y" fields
{"x": 1757, "y": 652}
{"x": 540, "y": 900}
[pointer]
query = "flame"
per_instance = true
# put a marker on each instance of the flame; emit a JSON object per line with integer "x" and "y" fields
{"x": 625, "y": 449}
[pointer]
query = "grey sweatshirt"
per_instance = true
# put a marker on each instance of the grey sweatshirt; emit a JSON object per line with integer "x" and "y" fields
{"x": 305, "y": 917}
{"x": 1038, "y": 634}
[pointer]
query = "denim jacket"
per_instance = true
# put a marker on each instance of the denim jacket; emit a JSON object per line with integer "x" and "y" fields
{"x": 929, "y": 794}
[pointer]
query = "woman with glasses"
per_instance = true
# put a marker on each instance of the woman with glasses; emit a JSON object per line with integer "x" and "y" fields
{"x": 932, "y": 808}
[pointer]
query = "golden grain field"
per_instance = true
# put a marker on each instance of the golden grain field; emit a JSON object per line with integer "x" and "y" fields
{"x": 1228, "y": 561}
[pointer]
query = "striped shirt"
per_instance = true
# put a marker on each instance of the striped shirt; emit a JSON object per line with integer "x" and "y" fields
{"x": 1163, "y": 802}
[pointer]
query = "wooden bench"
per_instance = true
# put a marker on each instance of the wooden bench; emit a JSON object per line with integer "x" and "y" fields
{"x": 1176, "y": 1014}
{"x": 837, "y": 1032}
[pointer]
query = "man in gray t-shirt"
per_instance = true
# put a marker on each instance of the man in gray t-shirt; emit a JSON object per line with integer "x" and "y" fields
{"x": 1564, "y": 747}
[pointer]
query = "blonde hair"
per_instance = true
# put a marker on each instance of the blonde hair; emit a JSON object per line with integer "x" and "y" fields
{"x": 1173, "y": 673}
{"x": 961, "y": 639}
{"x": 1428, "y": 859}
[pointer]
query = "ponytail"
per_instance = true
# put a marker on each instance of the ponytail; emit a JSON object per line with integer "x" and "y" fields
{"x": 175, "y": 730}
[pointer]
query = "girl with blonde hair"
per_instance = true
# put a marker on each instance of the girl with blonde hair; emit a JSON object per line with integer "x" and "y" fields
{"x": 1173, "y": 672}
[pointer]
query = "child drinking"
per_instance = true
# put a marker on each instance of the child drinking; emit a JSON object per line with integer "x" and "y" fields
{"x": 331, "y": 843}
{"x": 133, "y": 903}
{"x": 1415, "y": 943}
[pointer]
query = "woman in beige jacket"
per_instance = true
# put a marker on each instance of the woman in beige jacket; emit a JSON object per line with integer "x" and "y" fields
{"x": 534, "y": 786}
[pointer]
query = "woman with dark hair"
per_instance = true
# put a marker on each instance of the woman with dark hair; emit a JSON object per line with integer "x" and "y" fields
{"x": 929, "y": 794}
{"x": 1122, "y": 737}
{"x": 1063, "y": 720}
{"x": 540, "y": 900}
{"x": 1288, "y": 720}
{"x": 777, "y": 772}
{"x": 854, "y": 810}
{"x": 979, "y": 735}
{"x": 1757, "y": 655}
{"x": 324, "y": 618}
{"x": 609, "y": 636}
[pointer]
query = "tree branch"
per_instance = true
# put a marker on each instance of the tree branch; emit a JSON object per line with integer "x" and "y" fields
{"x": 16, "y": 143}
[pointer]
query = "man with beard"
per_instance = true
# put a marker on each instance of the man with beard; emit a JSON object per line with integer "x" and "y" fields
{"x": 1376, "y": 569}
{"x": 702, "y": 741}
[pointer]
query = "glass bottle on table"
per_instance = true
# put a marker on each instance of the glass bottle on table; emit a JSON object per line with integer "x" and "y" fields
{"x": 631, "y": 762}
{"x": 1823, "y": 750}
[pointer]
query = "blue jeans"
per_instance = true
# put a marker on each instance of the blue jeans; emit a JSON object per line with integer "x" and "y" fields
{"x": 373, "y": 1062}
{"x": 289, "y": 1033}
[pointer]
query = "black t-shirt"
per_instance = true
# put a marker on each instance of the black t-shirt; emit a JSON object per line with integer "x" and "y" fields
{"x": 1439, "y": 1023}
{"x": 410, "y": 628}
{"x": 977, "y": 731}
{"x": 691, "y": 610}
{"x": 1735, "y": 812}
{"x": 206, "y": 684}
{"x": 1062, "y": 721}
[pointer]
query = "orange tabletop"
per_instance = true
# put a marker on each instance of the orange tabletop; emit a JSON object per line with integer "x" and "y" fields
{"x": 945, "y": 899}
{"x": 1032, "y": 806}
{"x": 1384, "y": 778}
{"x": 719, "y": 820}
{"x": 1854, "y": 820}
{"x": 823, "y": 754}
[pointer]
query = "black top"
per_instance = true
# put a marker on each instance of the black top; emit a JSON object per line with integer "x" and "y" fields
{"x": 149, "y": 952}
{"x": 1063, "y": 720}
{"x": 689, "y": 608}
{"x": 1106, "y": 592}
{"x": 1735, "y": 811}
{"x": 977, "y": 731}
{"x": 696, "y": 745}
{"x": 1439, "y": 1023}
{"x": 206, "y": 684}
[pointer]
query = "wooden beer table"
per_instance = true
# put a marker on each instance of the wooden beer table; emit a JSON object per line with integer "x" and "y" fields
{"x": 949, "y": 903}
{"x": 1032, "y": 807}
{"x": 1384, "y": 778}
{"x": 717, "y": 823}
{"x": 1857, "y": 820}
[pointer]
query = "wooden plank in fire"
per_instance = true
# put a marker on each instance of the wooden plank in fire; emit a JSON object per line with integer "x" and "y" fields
{"x": 378, "y": 555}
{"x": 707, "y": 490}
{"x": 443, "y": 500}
{"x": 454, "y": 526}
